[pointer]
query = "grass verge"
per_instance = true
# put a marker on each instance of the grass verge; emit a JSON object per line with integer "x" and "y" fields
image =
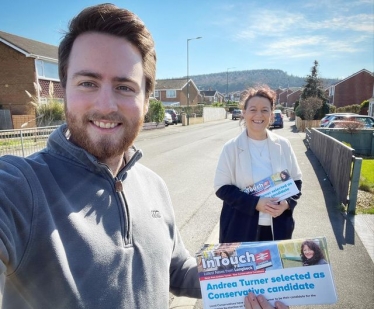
{"x": 365, "y": 200}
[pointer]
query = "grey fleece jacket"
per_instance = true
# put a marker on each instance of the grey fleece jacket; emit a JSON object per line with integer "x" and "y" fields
{"x": 72, "y": 236}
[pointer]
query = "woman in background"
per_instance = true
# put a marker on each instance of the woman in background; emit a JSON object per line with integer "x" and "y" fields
{"x": 253, "y": 155}
{"x": 311, "y": 254}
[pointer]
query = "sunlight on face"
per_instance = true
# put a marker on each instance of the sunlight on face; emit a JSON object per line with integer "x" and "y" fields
{"x": 105, "y": 94}
{"x": 257, "y": 115}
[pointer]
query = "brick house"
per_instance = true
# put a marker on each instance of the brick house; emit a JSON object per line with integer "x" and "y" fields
{"x": 24, "y": 62}
{"x": 278, "y": 92}
{"x": 293, "y": 97}
{"x": 174, "y": 92}
{"x": 211, "y": 96}
{"x": 352, "y": 90}
{"x": 282, "y": 96}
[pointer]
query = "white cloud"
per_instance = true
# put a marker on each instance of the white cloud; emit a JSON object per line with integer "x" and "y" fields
{"x": 299, "y": 47}
{"x": 359, "y": 23}
{"x": 268, "y": 23}
{"x": 295, "y": 47}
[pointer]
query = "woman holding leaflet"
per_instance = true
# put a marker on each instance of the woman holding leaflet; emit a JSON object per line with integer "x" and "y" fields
{"x": 253, "y": 155}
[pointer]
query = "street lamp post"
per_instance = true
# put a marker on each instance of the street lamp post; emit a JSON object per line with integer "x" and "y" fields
{"x": 227, "y": 81}
{"x": 188, "y": 83}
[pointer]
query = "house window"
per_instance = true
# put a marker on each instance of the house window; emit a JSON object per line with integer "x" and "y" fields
{"x": 171, "y": 94}
{"x": 47, "y": 70}
{"x": 157, "y": 94}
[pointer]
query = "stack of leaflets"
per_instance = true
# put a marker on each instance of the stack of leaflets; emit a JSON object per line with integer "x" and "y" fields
{"x": 279, "y": 185}
{"x": 285, "y": 270}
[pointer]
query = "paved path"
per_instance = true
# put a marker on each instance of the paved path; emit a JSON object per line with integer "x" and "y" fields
{"x": 350, "y": 239}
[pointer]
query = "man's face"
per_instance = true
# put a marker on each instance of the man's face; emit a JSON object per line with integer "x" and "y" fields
{"x": 105, "y": 94}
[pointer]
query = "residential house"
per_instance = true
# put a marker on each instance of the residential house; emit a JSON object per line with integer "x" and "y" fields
{"x": 278, "y": 92}
{"x": 282, "y": 96}
{"x": 293, "y": 97}
{"x": 352, "y": 90}
{"x": 211, "y": 96}
{"x": 23, "y": 63}
{"x": 173, "y": 92}
{"x": 236, "y": 96}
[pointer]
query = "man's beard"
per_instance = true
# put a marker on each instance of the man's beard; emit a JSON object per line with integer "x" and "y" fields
{"x": 106, "y": 147}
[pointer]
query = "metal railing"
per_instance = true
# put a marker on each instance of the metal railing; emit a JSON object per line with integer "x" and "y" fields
{"x": 23, "y": 142}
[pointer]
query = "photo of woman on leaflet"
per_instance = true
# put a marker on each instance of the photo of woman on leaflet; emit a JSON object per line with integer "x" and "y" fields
{"x": 311, "y": 254}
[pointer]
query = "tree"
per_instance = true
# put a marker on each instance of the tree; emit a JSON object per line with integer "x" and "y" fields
{"x": 314, "y": 88}
{"x": 310, "y": 106}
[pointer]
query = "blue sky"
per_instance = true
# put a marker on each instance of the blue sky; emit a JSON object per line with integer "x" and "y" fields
{"x": 236, "y": 34}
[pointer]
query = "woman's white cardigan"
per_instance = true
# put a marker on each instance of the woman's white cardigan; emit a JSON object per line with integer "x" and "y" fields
{"x": 235, "y": 167}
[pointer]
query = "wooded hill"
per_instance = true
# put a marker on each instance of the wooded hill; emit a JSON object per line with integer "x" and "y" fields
{"x": 241, "y": 80}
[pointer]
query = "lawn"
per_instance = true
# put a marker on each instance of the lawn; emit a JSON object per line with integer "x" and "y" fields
{"x": 365, "y": 201}
{"x": 367, "y": 175}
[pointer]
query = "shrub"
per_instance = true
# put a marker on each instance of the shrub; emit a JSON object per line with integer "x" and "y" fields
{"x": 332, "y": 108}
{"x": 299, "y": 112}
{"x": 364, "y": 104}
{"x": 310, "y": 106}
{"x": 354, "y": 108}
{"x": 156, "y": 112}
{"x": 50, "y": 112}
{"x": 349, "y": 125}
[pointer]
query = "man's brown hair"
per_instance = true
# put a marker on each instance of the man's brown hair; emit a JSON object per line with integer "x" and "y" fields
{"x": 109, "y": 19}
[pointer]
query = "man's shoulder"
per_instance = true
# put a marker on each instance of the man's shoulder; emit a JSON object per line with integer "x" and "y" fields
{"x": 11, "y": 160}
{"x": 20, "y": 166}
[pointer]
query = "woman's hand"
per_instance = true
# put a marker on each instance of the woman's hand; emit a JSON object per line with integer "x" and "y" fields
{"x": 260, "y": 302}
{"x": 271, "y": 206}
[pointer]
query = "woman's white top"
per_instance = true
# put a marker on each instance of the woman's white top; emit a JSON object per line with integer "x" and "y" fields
{"x": 261, "y": 168}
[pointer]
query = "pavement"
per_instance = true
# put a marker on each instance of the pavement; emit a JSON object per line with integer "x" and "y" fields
{"x": 350, "y": 239}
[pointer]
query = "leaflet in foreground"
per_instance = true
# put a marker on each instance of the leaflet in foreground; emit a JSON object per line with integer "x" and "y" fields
{"x": 277, "y": 269}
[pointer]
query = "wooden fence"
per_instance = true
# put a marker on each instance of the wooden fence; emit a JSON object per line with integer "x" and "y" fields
{"x": 302, "y": 125}
{"x": 339, "y": 164}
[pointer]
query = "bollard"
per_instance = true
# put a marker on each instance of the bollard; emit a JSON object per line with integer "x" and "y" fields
{"x": 184, "y": 119}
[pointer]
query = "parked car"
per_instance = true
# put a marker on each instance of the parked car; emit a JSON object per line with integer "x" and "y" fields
{"x": 174, "y": 115}
{"x": 343, "y": 121}
{"x": 328, "y": 117}
{"x": 236, "y": 114}
{"x": 168, "y": 119}
{"x": 277, "y": 120}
